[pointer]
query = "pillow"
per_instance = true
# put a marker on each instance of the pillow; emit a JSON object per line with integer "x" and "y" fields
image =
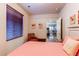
{"x": 77, "y": 54}
{"x": 71, "y": 47}
{"x": 65, "y": 39}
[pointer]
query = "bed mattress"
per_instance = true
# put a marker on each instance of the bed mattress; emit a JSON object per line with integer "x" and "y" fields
{"x": 39, "y": 49}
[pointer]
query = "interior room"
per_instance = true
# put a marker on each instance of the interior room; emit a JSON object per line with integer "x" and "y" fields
{"x": 39, "y": 29}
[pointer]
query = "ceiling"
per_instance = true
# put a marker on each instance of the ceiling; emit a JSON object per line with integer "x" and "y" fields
{"x": 42, "y": 8}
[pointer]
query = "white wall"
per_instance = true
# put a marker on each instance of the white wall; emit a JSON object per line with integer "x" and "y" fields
{"x": 68, "y": 10}
{"x": 8, "y": 46}
{"x": 43, "y": 19}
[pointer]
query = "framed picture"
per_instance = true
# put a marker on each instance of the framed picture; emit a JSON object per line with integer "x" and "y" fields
{"x": 33, "y": 26}
{"x": 40, "y": 26}
{"x": 73, "y": 19}
{"x": 78, "y": 17}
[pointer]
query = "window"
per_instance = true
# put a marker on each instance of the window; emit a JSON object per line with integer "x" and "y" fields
{"x": 14, "y": 23}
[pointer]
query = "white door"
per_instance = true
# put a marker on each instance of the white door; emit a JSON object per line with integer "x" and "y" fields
{"x": 59, "y": 29}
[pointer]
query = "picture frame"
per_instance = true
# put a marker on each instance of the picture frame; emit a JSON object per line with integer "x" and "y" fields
{"x": 73, "y": 19}
{"x": 33, "y": 26}
{"x": 78, "y": 17}
{"x": 40, "y": 26}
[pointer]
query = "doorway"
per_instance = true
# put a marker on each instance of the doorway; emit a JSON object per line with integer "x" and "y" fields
{"x": 54, "y": 32}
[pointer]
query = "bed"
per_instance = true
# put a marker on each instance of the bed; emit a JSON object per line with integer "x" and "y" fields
{"x": 69, "y": 47}
{"x": 32, "y": 48}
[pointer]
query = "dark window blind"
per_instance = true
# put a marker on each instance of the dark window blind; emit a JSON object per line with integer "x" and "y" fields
{"x": 14, "y": 23}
